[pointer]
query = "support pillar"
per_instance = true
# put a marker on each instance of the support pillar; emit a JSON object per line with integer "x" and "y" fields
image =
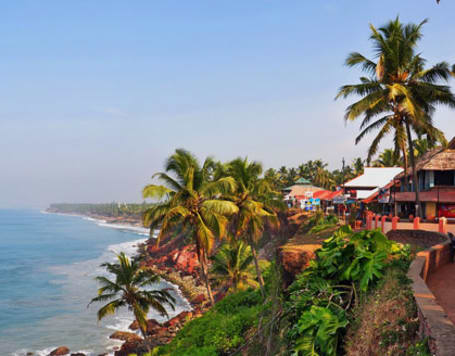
{"x": 443, "y": 225}
{"x": 394, "y": 223}
{"x": 416, "y": 223}
{"x": 383, "y": 223}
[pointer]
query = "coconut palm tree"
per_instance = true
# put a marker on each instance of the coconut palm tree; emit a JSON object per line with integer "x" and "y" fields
{"x": 388, "y": 158}
{"x": 231, "y": 266}
{"x": 190, "y": 197}
{"x": 128, "y": 290}
{"x": 358, "y": 164}
{"x": 400, "y": 90}
{"x": 257, "y": 203}
{"x": 323, "y": 178}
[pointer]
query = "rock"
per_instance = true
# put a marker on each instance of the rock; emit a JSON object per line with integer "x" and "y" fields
{"x": 125, "y": 336}
{"x": 152, "y": 324}
{"x": 78, "y": 354}
{"x": 129, "y": 348}
{"x": 29, "y": 353}
{"x": 60, "y": 351}
{"x": 199, "y": 299}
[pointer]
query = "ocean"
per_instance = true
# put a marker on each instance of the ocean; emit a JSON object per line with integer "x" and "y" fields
{"x": 47, "y": 267}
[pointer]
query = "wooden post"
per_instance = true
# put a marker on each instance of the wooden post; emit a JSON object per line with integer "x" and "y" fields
{"x": 394, "y": 223}
{"x": 376, "y": 221}
{"x": 383, "y": 223}
{"x": 443, "y": 225}
{"x": 416, "y": 223}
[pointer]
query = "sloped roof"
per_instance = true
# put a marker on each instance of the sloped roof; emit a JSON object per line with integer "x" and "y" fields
{"x": 374, "y": 177}
{"x": 438, "y": 159}
{"x": 301, "y": 189}
{"x": 303, "y": 181}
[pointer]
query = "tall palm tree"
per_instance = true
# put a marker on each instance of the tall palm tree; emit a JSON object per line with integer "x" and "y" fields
{"x": 399, "y": 90}
{"x": 388, "y": 158}
{"x": 190, "y": 197}
{"x": 128, "y": 290}
{"x": 256, "y": 201}
{"x": 323, "y": 178}
{"x": 231, "y": 265}
{"x": 358, "y": 164}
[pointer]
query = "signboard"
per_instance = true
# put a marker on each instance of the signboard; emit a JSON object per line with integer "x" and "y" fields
{"x": 447, "y": 210}
{"x": 340, "y": 199}
{"x": 384, "y": 196}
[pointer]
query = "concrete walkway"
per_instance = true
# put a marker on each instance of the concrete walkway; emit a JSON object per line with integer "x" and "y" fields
{"x": 442, "y": 284}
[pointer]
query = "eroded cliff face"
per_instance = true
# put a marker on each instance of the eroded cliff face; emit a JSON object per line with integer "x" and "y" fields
{"x": 294, "y": 258}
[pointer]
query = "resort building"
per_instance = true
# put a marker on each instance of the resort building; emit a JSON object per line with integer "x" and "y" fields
{"x": 301, "y": 193}
{"x": 367, "y": 186}
{"x": 436, "y": 180}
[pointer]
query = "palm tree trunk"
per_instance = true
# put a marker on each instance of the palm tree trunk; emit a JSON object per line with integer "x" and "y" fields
{"x": 258, "y": 270}
{"x": 205, "y": 274}
{"x": 414, "y": 172}
{"x": 405, "y": 164}
{"x": 203, "y": 262}
{"x": 144, "y": 334}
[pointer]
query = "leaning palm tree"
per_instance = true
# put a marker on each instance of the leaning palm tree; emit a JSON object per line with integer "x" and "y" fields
{"x": 231, "y": 266}
{"x": 128, "y": 290}
{"x": 257, "y": 203}
{"x": 400, "y": 90}
{"x": 191, "y": 197}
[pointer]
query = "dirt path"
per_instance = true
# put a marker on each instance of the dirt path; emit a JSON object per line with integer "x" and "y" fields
{"x": 442, "y": 284}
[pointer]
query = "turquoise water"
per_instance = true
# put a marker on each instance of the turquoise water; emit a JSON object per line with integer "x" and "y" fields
{"x": 47, "y": 267}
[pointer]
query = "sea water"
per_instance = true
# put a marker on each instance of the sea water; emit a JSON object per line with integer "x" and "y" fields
{"x": 47, "y": 267}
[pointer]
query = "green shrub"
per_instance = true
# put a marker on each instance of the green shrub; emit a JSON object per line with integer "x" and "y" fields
{"x": 220, "y": 330}
{"x": 347, "y": 263}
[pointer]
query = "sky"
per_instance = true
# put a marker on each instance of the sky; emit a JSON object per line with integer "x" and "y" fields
{"x": 95, "y": 95}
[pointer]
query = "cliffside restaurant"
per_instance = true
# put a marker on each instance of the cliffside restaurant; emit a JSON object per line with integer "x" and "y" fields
{"x": 436, "y": 180}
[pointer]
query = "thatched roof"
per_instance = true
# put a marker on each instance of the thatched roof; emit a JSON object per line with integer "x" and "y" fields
{"x": 438, "y": 159}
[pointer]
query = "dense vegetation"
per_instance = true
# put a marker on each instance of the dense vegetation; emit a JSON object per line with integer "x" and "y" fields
{"x": 321, "y": 298}
{"x": 326, "y": 311}
{"x": 109, "y": 209}
{"x": 221, "y": 330}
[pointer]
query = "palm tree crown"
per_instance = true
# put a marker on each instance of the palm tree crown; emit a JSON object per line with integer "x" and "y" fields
{"x": 191, "y": 197}
{"x": 128, "y": 290}
{"x": 231, "y": 265}
{"x": 399, "y": 89}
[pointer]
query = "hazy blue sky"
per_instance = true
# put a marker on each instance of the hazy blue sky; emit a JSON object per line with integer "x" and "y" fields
{"x": 96, "y": 94}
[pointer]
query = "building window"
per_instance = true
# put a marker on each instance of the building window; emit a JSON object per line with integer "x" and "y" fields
{"x": 444, "y": 178}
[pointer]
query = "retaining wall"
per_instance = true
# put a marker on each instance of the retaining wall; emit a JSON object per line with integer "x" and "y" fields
{"x": 434, "y": 322}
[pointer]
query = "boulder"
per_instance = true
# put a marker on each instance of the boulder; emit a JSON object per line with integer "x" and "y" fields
{"x": 60, "y": 351}
{"x": 178, "y": 319}
{"x": 125, "y": 336}
{"x": 78, "y": 354}
{"x": 129, "y": 348}
{"x": 152, "y": 324}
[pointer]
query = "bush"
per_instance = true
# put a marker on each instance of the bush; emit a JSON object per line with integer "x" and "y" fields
{"x": 348, "y": 263}
{"x": 220, "y": 330}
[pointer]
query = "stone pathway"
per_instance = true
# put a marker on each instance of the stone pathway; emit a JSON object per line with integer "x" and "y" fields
{"x": 442, "y": 283}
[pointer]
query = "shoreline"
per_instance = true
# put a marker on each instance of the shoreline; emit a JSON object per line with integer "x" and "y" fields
{"x": 162, "y": 261}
